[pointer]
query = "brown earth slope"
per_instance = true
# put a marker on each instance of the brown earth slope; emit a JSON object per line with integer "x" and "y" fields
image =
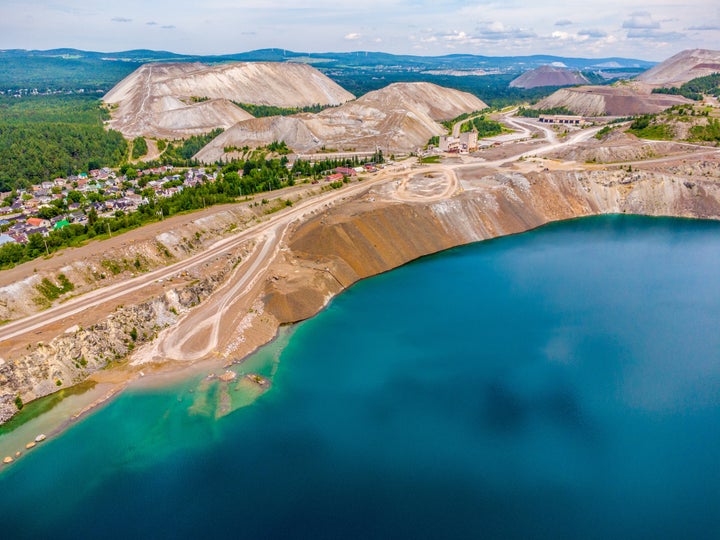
{"x": 621, "y": 100}
{"x": 682, "y": 67}
{"x": 161, "y": 100}
{"x": 397, "y": 118}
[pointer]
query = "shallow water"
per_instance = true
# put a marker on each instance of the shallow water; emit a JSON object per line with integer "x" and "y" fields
{"x": 563, "y": 383}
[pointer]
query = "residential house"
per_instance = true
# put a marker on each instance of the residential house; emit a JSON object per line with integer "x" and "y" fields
{"x": 6, "y": 239}
{"x": 345, "y": 171}
{"x": 37, "y": 222}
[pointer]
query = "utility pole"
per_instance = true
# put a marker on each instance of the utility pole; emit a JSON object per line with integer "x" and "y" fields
{"x": 108, "y": 228}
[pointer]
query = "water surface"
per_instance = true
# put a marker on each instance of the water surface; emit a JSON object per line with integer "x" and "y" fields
{"x": 563, "y": 383}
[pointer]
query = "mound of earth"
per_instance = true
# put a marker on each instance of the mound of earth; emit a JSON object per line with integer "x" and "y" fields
{"x": 258, "y": 132}
{"x": 185, "y": 121}
{"x": 397, "y": 118}
{"x": 626, "y": 100}
{"x": 682, "y": 67}
{"x": 618, "y": 146}
{"x": 548, "y": 76}
{"x": 198, "y": 96}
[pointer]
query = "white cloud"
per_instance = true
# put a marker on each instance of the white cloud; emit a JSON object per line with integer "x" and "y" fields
{"x": 641, "y": 20}
{"x": 611, "y": 27}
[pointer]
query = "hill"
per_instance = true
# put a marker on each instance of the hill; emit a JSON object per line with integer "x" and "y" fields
{"x": 180, "y": 99}
{"x": 682, "y": 67}
{"x": 548, "y": 76}
{"x": 398, "y": 118}
{"x": 619, "y": 100}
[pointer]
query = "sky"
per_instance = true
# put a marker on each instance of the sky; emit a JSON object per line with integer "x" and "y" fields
{"x": 648, "y": 30}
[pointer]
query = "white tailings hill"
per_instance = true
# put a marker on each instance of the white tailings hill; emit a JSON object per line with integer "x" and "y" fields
{"x": 181, "y": 99}
{"x": 398, "y": 118}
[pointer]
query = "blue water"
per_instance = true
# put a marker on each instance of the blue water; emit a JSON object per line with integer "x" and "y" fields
{"x": 563, "y": 383}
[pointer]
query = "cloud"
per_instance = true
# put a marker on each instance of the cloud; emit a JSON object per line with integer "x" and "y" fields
{"x": 493, "y": 31}
{"x": 656, "y": 35}
{"x": 353, "y": 36}
{"x": 705, "y": 27}
{"x": 168, "y": 27}
{"x": 568, "y": 36}
{"x": 151, "y": 23}
{"x": 121, "y": 20}
{"x": 592, "y": 33}
{"x": 640, "y": 20}
{"x": 486, "y": 33}
{"x": 580, "y": 36}
{"x": 563, "y": 22}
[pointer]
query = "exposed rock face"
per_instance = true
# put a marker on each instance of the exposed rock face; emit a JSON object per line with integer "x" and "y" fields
{"x": 70, "y": 358}
{"x": 161, "y": 100}
{"x": 682, "y": 67}
{"x": 620, "y": 100}
{"x": 397, "y": 118}
{"x": 548, "y": 76}
{"x": 351, "y": 244}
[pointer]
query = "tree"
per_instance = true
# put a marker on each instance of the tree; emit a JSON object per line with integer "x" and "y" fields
{"x": 140, "y": 147}
{"x": 92, "y": 216}
{"x": 74, "y": 196}
{"x": 35, "y": 246}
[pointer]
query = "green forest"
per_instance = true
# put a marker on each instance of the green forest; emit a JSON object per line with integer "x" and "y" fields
{"x": 259, "y": 111}
{"x": 535, "y": 113}
{"x": 484, "y": 126}
{"x": 695, "y": 89}
{"x": 43, "y": 137}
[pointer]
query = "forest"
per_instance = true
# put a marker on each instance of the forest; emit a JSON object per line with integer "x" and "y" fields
{"x": 695, "y": 88}
{"x": 43, "y": 137}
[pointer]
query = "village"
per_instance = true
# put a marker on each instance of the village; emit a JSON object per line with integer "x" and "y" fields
{"x": 30, "y": 211}
{"x": 53, "y": 205}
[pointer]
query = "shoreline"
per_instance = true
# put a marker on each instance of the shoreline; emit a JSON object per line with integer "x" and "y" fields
{"x": 160, "y": 376}
{"x": 171, "y": 373}
{"x": 374, "y": 226}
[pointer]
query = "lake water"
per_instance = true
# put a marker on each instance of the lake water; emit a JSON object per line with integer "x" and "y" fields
{"x": 563, "y": 383}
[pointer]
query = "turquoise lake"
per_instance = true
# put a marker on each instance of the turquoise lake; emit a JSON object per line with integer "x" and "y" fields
{"x": 563, "y": 383}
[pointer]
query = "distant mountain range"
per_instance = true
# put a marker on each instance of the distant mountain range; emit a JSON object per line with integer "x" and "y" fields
{"x": 349, "y": 59}
{"x": 70, "y": 70}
